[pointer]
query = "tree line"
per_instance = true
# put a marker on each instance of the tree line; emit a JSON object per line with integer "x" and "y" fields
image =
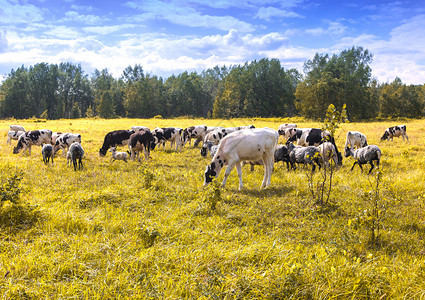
{"x": 262, "y": 88}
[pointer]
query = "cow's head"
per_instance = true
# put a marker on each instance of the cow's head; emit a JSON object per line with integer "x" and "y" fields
{"x": 204, "y": 150}
{"x": 210, "y": 173}
{"x": 385, "y": 136}
{"x": 102, "y": 152}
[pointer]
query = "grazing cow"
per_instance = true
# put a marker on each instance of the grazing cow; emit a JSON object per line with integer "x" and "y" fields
{"x": 136, "y": 128}
{"x": 140, "y": 141}
{"x": 76, "y": 153}
{"x": 17, "y": 128}
{"x": 64, "y": 141}
{"x": 364, "y": 155}
{"x": 55, "y": 135}
{"x": 115, "y": 138}
{"x": 250, "y": 145}
{"x": 47, "y": 153}
{"x": 283, "y": 127}
{"x": 281, "y": 153}
{"x": 198, "y": 132}
{"x": 33, "y": 137}
{"x": 13, "y": 135}
{"x": 355, "y": 139}
{"x": 216, "y": 135}
{"x": 172, "y": 134}
{"x": 395, "y": 131}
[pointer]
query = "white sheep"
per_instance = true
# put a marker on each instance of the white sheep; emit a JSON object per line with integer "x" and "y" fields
{"x": 118, "y": 155}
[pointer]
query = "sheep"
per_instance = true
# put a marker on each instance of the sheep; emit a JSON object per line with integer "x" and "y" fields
{"x": 118, "y": 155}
{"x": 328, "y": 151}
{"x": 304, "y": 155}
{"x": 47, "y": 153}
{"x": 364, "y": 155}
{"x": 355, "y": 139}
{"x": 243, "y": 145}
{"x": 76, "y": 152}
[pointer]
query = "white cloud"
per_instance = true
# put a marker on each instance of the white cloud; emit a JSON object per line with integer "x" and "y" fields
{"x": 186, "y": 16}
{"x": 13, "y": 13}
{"x": 267, "y": 13}
{"x": 104, "y": 30}
{"x": 73, "y": 16}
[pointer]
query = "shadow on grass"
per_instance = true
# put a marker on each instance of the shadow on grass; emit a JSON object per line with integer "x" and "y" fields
{"x": 15, "y": 218}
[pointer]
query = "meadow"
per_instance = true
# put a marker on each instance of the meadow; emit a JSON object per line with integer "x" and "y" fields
{"x": 151, "y": 230}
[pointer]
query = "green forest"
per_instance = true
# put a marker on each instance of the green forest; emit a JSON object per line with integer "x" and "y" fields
{"x": 260, "y": 88}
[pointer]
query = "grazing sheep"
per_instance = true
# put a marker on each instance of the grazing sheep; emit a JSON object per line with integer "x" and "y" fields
{"x": 364, "y": 155}
{"x": 118, "y": 155}
{"x": 76, "y": 152}
{"x": 47, "y": 152}
{"x": 328, "y": 151}
{"x": 355, "y": 139}
{"x": 304, "y": 155}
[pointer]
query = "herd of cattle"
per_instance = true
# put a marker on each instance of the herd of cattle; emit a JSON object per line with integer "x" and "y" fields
{"x": 230, "y": 146}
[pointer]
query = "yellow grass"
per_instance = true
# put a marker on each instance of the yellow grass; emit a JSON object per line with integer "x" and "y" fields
{"x": 147, "y": 230}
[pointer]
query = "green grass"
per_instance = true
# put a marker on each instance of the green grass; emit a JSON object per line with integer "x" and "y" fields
{"x": 151, "y": 230}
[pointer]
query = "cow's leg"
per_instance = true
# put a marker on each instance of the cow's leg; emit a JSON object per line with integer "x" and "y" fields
{"x": 229, "y": 169}
{"x": 239, "y": 170}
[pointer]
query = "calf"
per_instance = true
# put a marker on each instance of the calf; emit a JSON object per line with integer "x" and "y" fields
{"x": 33, "y": 137}
{"x": 355, "y": 139}
{"x": 172, "y": 134}
{"x": 140, "y": 141}
{"x": 64, "y": 141}
{"x": 47, "y": 153}
{"x": 13, "y": 135}
{"x": 115, "y": 138}
{"x": 250, "y": 145}
{"x": 55, "y": 136}
{"x": 395, "y": 131}
{"x": 76, "y": 153}
{"x": 364, "y": 155}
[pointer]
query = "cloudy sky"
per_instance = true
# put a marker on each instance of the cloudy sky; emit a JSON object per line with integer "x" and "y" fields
{"x": 171, "y": 36}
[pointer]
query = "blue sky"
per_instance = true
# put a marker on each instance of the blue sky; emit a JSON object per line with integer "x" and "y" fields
{"x": 169, "y": 37}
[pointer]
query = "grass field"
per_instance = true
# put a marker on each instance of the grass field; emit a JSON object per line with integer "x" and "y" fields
{"x": 150, "y": 230}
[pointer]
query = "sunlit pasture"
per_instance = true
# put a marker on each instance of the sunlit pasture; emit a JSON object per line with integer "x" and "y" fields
{"x": 150, "y": 229}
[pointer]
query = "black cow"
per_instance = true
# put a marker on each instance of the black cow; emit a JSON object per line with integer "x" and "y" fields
{"x": 115, "y": 138}
{"x": 141, "y": 140}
